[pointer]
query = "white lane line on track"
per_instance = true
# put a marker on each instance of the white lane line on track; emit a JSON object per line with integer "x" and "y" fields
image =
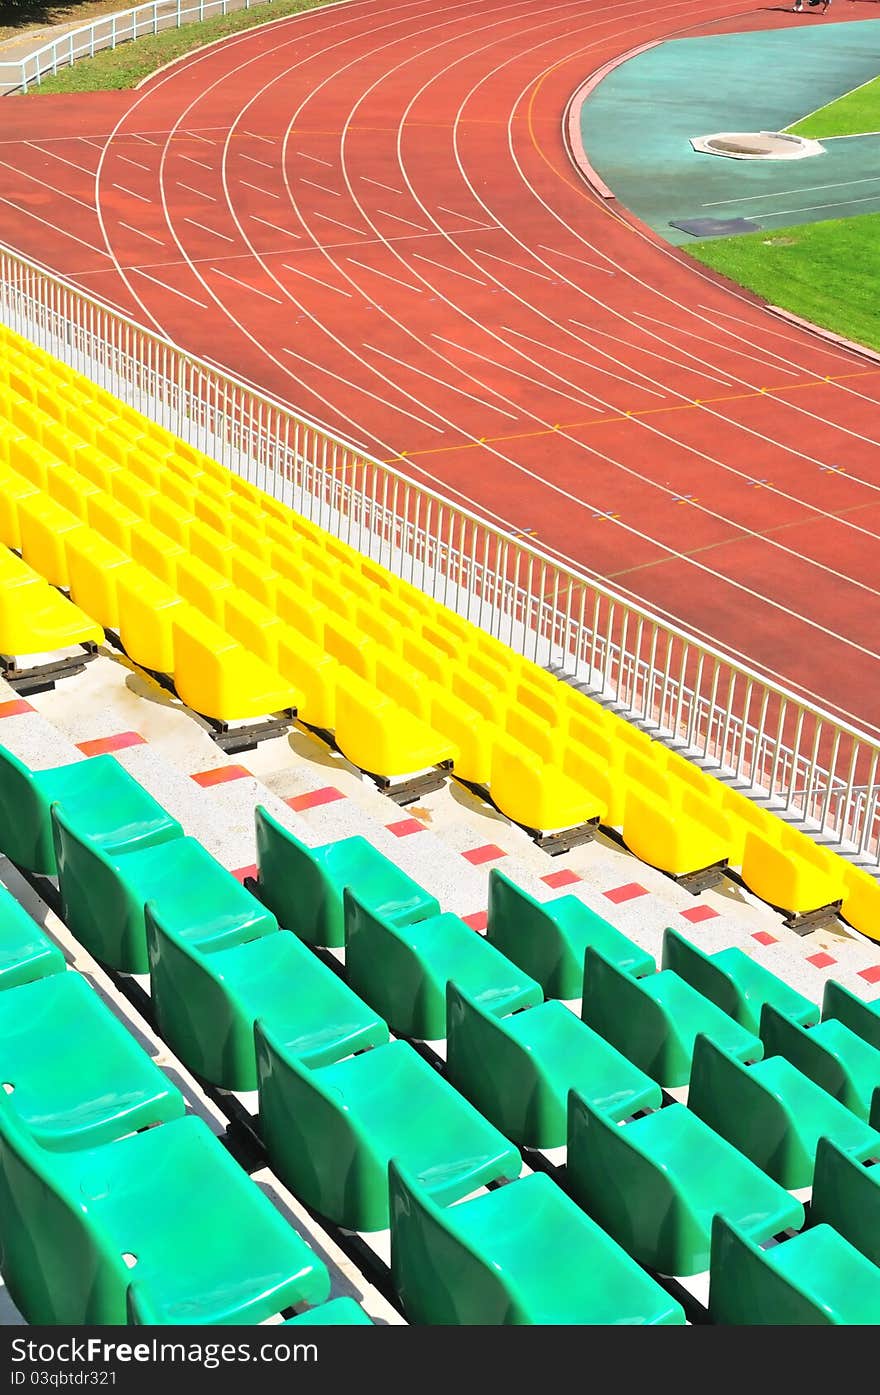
{"x": 777, "y": 333}
{"x": 203, "y": 164}
{"x": 138, "y": 164}
{"x": 252, "y": 135}
{"x": 254, "y": 161}
{"x": 35, "y": 179}
{"x": 257, "y": 219}
{"x": 652, "y": 353}
{"x": 379, "y": 185}
{"x": 591, "y": 406}
{"x": 173, "y": 289}
{"x": 303, "y": 155}
{"x": 225, "y": 236}
{"x": 398, "y": 219}
{"x": 146, "y": 139}
{"x": 725, "y": 348}
{"x": 480, "y": 252}
{"x": 395, "y": 280}
{"x": 593, "y": 266}
{"x": 296, "y": 270}
{"x": 782, "y": 193}
{"x": 63, "y": 158}
{"x": 195, "y": 135}
{"x": 140, "y": 232}
{"x": 265, "y": 294}
{"x": 95, "y": 144}
{"x": 453, "y": 271}
{"x": 323, "y": 187}
{"x": 466, "y": 217}
{"x": 358, "y": 387}
{"x": 132, "y": 195}
{"x": 201, "y": 193}
{"x": 325, "y": 217}
{"x": 449, "y": 387}
{"x": 19, "y": 208}
{"x": 595, "y": 368}
{"x": 266, "y": 193}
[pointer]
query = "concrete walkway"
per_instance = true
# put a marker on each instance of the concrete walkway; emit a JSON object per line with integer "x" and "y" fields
{"x": 84, "y": 38}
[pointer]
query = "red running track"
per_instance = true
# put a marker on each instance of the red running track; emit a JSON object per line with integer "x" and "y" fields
{"x": 370, "y": 211}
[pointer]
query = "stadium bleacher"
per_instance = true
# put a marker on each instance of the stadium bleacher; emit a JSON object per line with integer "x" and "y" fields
{"x": 532, "y": 1116}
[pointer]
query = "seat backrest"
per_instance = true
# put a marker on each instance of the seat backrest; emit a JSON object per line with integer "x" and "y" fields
{"x": 25, "y": 832}
{"x": 861, "y": 1017}
{"x": 699, "y": 970}
{"x": 846, "y": 1195}
{"x": 380, "y": 965}
{"x": 291, "y": 881}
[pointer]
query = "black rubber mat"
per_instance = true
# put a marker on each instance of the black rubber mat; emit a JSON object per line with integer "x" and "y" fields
{"x": 715, "y": 227}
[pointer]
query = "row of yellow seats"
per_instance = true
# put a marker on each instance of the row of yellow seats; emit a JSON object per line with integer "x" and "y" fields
{"x": 671, "y": 815}
{"x": 35, "y": 619}
{"x": 213, "y": 674}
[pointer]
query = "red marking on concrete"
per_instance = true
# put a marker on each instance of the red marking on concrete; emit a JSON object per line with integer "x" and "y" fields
{"x": 15, "y": 708}
{"x": 314, "y": 798}
{"x": 821, "y": 960}
{"x": 564, "y": 878}
{"x": 221, "y": 776}
{"x": 103, "y": 744}
{"x": 478, "y": 921}
{"x": 242, "y": 872}
{"x": 619, "y": 894}
{"x": 764, "y": 938}
{"x": 489, "y": 853}
{"x": 698, "y": 913}
{"x": 871, "y": 975}
{"x": 405, "y": 828}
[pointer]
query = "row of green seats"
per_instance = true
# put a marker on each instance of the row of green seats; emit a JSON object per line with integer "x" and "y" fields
{"x": 115, "y": 1205}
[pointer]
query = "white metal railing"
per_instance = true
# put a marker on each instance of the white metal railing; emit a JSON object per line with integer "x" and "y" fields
{"x": 108, "y": 31}
{"x": 811, "y": 767}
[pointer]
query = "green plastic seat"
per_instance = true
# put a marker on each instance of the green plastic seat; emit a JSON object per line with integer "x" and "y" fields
{"x": 103, "y": 896}
{"x": 549, "y": 939}
{"x": 520, "y": 1254}
{"x": 304, "y": 886}
{"x": 773, "y": 1113}
{"x": 735, "y": 982}
{"x": 75, "y": 1076}
{"x": 813, "y": 1278}
{"x": 107, "y": 803}
{"x": 830, "y": 1054}
{"x": 206, "y": 1003}
{"x": 861, "y": 1017}
{"x": 654, "y": 1021}
{"x": 518, "y": 1070}
{"x": 330, "y": 1133}
{"x": 167, "y": 1210}
{"x": 403, "y": 970}
{"x": 339, "y": 1312}
{"x": 26, "y": 953}
{"x": 846, "y": 1196}
{"x": 656, "y": 1182}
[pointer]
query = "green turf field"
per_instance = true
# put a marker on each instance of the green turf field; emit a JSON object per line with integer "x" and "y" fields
{"x": 855, "y": 113}
{"x": 826, "y": 272}
{"x": 112, "y": 69}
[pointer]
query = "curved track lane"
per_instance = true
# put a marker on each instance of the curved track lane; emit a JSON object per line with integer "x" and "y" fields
{"x": 370, "y": 211}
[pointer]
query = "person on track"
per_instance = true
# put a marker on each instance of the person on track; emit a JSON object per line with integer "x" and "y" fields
{"x": 799, "y": 5}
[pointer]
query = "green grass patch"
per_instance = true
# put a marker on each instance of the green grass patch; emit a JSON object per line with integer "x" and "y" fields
{"x": 826, "y": 272}
{"x": 853, "y": 114}
{"x": 113, "y": 69}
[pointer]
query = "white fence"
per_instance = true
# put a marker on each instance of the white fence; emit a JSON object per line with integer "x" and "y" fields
{"x": 812, "y": 768}
{"x": 109, "y": 31}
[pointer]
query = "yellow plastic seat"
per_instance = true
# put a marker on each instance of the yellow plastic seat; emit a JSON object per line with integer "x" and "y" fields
{"x": 623, "y": 731}
{"x": 689, "y": 774}
{"x": 354, "y": 650}
{"x": 13, "y": 488}
{"x": 713, "y": 818}
{"x": 378, "y": 736}
{"x": 442, "y": 639}
{"x": 606, "y": 782}
{"x": 252, "y": 625}
{"x": 157, "y": 552}
{"x": 530, "y": 731}
{"x": 861, "y": 901}
{"x": 473, "y": 736}
{"x": 429, "y": 661}
{"x": 133, "y": 492}
{"x": 246, "y": 533}
{"x": 43, "y": 525}
{"x": 212, "y": 512}
{"x": 470, "y": 690}
{"x": 403, "y": 684}
{"x": 71, "y": 490}
{"x": 313, "y": 673}
{"x": 212, "y": 547}
{"x": 536, "y": 794}
{"x": 37, "y": 619}
{"x": 793, "y": 840}
{"x": 373, "y": 621}
{"x": 33, "y": 461}
{"x": 380, "y": 576}
{"x": 180, "y": 493}
{"x": 331, "y": 592}
{"x": 94, "y": 567}
{"x": 113, "y": 445}
{"x": 147, "y": 608}
{"x": 143, "y": 468}
{"x": 500, "y": 675}
{"x": 255, "y": 577}
{"x": 542, "y": 704}
{"x": 170, "y": 519}
{"x": 97, "y": 468}
{"x": 648, "y": 773}
{"x": 203, "y": 586}
{"x": 298, "y": 609}
{"x": 288, "y": 562}
{"x": 665, "y": 837}
{"x": 219, "y": 678}
{"x": 784, "y": 880}
{"x": 112, "y": 520}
